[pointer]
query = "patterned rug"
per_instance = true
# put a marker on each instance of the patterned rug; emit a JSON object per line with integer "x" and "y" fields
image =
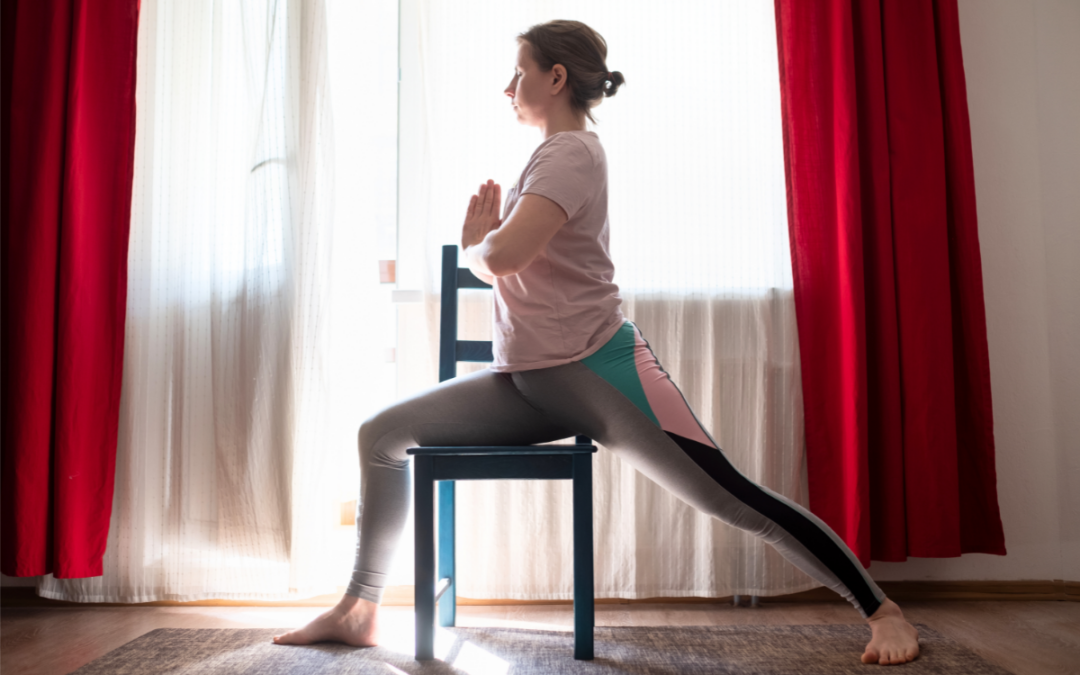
{"x": 687, "y": 650}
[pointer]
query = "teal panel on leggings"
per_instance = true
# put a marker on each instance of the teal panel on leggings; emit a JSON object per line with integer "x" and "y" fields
{"x": 615, "y": 363}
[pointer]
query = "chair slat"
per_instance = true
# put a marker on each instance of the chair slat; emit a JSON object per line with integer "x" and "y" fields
{"x": 503, "y": 467}
{"x": 466, "y": 279}
{"x": 477, "y": 351}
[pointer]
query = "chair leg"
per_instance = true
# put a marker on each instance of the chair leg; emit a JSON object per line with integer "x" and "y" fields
{"x": 584, "y": 611}
{"x": 448, "y": 601}
{"x": 424, "y": 590}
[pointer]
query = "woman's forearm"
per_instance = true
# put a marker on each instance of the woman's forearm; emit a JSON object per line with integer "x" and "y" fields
{"x": 474, "y": 258}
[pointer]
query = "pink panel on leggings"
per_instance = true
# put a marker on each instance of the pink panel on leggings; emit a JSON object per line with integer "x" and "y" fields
{"x": 664, "y": 398}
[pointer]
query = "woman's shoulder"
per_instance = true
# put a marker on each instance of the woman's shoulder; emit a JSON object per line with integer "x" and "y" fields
{"x": 576, "y": 138}
{"x": 573, "y": 146}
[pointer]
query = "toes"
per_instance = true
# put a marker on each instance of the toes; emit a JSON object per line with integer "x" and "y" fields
{"x": 290, "y": 638}
{"x": 870, "y": 656}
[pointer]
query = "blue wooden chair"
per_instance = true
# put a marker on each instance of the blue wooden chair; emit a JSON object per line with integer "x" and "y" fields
{"x": 448, "y": 464}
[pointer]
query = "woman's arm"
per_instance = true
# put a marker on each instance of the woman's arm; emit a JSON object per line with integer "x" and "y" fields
{"x": 476, "y": 268}
{"x": 526, "y": 232}
{"x": 496, "y": 249}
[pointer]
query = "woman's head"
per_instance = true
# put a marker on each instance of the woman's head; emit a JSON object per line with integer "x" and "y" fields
{"x": 561, "y": 64}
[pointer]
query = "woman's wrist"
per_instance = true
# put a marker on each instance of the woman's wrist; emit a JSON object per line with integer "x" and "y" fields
{"x": 474, "y": 258}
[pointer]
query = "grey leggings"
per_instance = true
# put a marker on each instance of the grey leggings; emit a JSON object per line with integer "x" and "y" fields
{"x": 621, "y": 398}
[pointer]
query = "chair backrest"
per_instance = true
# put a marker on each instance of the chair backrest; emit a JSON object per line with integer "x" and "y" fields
{"x": 451, "y": 349}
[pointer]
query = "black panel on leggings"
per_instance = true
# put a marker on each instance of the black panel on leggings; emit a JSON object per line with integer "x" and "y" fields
{"x": 799, "y": 526}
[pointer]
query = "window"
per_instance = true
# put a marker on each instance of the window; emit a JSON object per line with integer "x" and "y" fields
{"x": 695, "y": 155}
{"x": 693, "y": 139}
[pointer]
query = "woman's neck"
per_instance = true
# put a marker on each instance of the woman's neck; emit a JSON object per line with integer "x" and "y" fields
{"x": 563, "y": 122}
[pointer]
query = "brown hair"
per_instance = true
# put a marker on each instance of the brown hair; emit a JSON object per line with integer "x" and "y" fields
{"x": 582, "y": 51}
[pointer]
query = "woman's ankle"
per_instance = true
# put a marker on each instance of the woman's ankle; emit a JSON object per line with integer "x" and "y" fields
{"x": 352, "y": 604}
{"x": 888, "y": 608}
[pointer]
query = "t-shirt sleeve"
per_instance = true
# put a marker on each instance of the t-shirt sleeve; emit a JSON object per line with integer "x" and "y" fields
{"x": 564, "y": 173}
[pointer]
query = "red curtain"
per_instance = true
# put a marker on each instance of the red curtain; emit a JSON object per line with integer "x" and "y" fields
{"x": 887, "y": 274}
{"x": 68, "y": 134}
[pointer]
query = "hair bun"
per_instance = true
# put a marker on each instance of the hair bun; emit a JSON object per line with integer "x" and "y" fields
{"x": 615, "y": 79}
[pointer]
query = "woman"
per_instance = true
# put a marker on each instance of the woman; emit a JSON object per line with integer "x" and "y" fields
{"x": 568, "y": 362}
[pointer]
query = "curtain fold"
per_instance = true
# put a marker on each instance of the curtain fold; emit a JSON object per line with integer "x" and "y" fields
{"x": 223, "y": 470}
{"x": 887, "y": 277}
{"x": 68, "y": 140}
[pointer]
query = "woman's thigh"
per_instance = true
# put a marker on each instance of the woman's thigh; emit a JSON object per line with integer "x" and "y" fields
{"x": 574, "y": 396}
{"x": 481, "y": 408}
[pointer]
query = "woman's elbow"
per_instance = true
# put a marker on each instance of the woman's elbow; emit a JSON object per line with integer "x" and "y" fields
{"x": 502, "y": 265}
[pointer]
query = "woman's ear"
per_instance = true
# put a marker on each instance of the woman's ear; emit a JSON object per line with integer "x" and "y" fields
{"x": 558, "y": 82}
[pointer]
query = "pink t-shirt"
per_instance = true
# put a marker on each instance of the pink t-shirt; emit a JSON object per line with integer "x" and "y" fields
{"x": 564, "y": 305}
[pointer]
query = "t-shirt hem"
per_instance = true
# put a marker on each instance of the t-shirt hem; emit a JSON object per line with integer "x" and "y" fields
{"x": 547, "y": 194}
{"x": 603, "y": 340}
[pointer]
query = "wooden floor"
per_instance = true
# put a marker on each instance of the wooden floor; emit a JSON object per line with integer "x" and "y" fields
{"x": 1026, "y": 637}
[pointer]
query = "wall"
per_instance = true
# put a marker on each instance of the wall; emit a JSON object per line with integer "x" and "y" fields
{"x": 1021, "y": 58}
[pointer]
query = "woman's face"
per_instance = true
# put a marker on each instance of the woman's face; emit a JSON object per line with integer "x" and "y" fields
{"x": 530, "y": 89}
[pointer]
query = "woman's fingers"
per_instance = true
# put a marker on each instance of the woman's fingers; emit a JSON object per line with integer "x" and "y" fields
{"x": 486, "y": 201}
{"x": 492, "y": 198}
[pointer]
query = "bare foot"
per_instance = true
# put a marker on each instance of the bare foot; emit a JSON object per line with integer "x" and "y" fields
{"x": 353, "y": 621}
{"x": 894, "y": 640}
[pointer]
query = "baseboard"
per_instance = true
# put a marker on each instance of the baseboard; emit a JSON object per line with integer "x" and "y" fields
{"x": 26, "y": 596}
{"x": 1072, "y": 590}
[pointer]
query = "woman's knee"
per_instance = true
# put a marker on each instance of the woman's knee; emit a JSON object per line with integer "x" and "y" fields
{"x": 374, "y": 441}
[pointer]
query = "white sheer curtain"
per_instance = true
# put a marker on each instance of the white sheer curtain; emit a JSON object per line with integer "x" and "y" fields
{"x": 699, "y": 240}
{"x": 230, "y": 442}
